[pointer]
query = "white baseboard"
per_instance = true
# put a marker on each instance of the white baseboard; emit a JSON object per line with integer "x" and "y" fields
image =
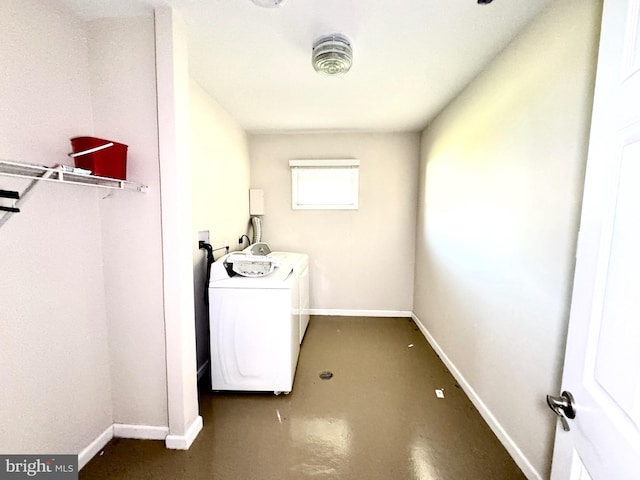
{"x": 530, "y": 472}
{"x": 141, "y": 432}
{"x": 359, "y": 313}
{"x": 94, "y": 447}
{"x": 120, "y": 430}
{"x": 183, "y": 442}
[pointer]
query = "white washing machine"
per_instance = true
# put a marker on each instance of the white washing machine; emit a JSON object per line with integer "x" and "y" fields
{"x": 255, "y": 326}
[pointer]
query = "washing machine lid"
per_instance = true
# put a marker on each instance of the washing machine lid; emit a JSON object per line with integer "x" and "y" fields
{"x": 249, "y": 265}
{"x": 281, "y": 277}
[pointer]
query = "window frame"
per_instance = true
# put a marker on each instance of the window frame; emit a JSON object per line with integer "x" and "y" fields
{"x": 307, "y": 166}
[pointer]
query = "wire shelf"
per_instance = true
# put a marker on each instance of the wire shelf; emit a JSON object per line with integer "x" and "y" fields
{"x": 66, "y": 174}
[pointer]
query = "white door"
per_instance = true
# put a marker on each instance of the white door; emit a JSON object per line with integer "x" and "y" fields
{"x": 602, "y": 364}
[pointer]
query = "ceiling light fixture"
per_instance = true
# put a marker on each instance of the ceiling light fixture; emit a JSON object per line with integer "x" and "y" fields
{"x": 332, "y": 54}
{"x": 268, "y": 3}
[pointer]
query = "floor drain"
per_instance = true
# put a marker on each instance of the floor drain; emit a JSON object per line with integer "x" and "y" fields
{"x": 326, "y": 375}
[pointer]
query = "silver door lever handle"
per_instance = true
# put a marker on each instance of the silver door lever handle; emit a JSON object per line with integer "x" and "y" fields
{"x": 563, "y": 406}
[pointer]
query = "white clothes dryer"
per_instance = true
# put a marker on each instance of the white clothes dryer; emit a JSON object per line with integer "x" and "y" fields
{"x": 300, "y": 262}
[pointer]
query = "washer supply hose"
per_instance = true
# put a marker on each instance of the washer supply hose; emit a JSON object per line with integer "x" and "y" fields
{"x": 202, "y": 245}
{"x": 207, "y": 246}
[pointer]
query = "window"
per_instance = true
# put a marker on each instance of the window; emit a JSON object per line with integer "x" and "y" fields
{"x": 324, "y": 184}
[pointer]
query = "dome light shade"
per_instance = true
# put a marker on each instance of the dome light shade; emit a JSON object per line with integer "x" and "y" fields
{"x": 332, "y": 54}
{"x": 268, "y": 3}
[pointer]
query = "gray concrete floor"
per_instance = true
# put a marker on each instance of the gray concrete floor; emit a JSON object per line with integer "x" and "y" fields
{"x": 377, "y": 418}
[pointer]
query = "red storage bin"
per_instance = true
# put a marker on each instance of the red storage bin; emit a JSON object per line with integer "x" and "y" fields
{"x": 104, "y": 158}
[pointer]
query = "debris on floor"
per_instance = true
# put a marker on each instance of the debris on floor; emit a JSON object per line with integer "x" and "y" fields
{"x": 410, "y": 345}
{"x": 440, "y": 392}
{"x": 326, "y": 375}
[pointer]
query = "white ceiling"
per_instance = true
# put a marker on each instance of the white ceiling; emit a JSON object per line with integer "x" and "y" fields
{"x": 411, "y": 57}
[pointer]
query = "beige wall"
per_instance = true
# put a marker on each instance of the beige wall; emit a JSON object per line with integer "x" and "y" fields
{"x": 220, "y": 189}
{"x": 82, "y": 307}
{"x": 54, "y": 365}
{"x": 359, "y": 260}
{"x": 122, "y": 67}
{"x": 500, "y": 189}
{"x": 172, "y": 68}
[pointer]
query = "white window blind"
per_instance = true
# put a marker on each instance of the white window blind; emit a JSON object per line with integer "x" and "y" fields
{"x": 324, "y": 184}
